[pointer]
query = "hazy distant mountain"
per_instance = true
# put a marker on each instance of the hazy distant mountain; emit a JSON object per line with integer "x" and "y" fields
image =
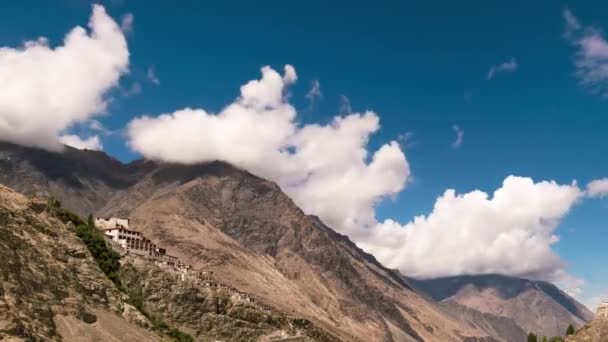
{"x": 536, "y": 306}
{"x": 249, "y": 232}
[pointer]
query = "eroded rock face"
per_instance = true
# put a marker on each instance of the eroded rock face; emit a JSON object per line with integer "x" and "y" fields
{"x": 209, "y": 314}
{"x": 595, "y": 331}
{"x": 47, "y": 273}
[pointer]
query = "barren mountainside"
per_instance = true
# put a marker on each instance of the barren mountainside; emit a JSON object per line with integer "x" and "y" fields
{"x": 244, "y": 228}
{"x": 253, "y": 236}
{"x": 209, "y": 314}
{"x": 51, "y": 289}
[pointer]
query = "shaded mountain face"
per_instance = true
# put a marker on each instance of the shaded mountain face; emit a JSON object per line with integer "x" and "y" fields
{"x": 536, "y": 306}
{"x": 82, "y": 180}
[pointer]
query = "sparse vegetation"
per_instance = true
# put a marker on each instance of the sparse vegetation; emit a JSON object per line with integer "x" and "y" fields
{"x": 107, "y": 259}
{"x": 137, "y": 300}
{"x": 570, "y": 330}
{"x": 90, "y": 221}
{"x": 174, "y": 333}
{"x": 109, "y": 262}
{"x": 63, "y": 214}
{"x": 534, "y": 338}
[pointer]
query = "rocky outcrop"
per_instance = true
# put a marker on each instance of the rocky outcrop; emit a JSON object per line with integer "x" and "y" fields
{"x": 594, "y": 331}
{"x": 206, "y": 313}
{"x": 50, "y": 286}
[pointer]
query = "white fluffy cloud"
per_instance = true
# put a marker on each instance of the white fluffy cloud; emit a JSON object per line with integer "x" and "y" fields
{"x": 327, "y": 169}
{"x": 91, "y": 143}
{"x": 511, "y": 232}
{"x": 598, "y": 188}
{"x": 591, "y": 56}
{"x": 52, "y": 88}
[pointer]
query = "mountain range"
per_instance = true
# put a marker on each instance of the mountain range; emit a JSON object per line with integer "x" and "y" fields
{"x": 222, "y": 218}
{"x": 536, "y": 306}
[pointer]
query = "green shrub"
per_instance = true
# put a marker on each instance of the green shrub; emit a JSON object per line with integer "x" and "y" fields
{"x": 176, "y": 334}
{"x": 570, "y": 330}
{"x": 180, "y": 336}
{"x": 67, "y": 216}
{"x": 107, "y": 259}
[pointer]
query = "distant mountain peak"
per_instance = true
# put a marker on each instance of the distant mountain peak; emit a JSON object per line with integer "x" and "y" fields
{"x": 537, "y": 306}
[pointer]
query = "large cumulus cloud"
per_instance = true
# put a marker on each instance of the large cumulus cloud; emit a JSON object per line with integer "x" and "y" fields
{"x": 45, "y": 89}
{"x": 511, "y": 232}
{"x": 327, "y": 169}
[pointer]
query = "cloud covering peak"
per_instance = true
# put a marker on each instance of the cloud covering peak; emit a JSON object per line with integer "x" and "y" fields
{"x": 327, "y": 169}
{"x": 511, "y": 232}
{"x": 52, "y": 88}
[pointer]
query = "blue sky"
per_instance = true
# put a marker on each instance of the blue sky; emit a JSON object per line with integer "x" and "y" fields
{"x": 422, "y": 67}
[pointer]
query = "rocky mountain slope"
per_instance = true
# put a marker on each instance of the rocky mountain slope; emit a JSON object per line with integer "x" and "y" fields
{"x": 53, "y": 289}
{"x": 217, "y": 217}
{"x": 206, "y": 313}
{"x": 500, "y": 327}
{"x": 535, "y": 306}
{"x": 50, "y": 287}
{"x": 253, "y": 236}
{"x": 594, "y": 331}
{"x": 82, "y": 180}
